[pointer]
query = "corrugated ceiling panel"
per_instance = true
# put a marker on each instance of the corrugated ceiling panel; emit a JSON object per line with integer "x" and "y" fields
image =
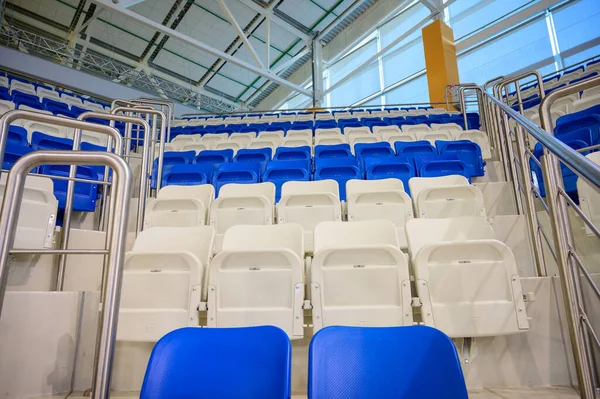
{"x": 156, "y": 10}
{"x": 179, "y": 65}
{"x": 225, "y": 85}
{"x": 119, "y": 38}
{"x": 205, "y": 27}
{"x": 50, "y": 9}
{"x": 303, "y": 11}
{"x": 187, "y": 51}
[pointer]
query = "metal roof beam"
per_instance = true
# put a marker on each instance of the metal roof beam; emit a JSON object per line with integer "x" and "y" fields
{"x": 429, "y": 5}
{"x": 339, "y": 19}
{"x": 241, "y": 33}
{"x": 202, "y": 46}
{"x": 275, "y": 19}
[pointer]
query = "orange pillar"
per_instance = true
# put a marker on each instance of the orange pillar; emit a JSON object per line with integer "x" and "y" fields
{"x": 440, "y": 60}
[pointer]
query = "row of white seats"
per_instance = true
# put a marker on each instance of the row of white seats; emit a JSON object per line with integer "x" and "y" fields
{"x": 236, "y": 120}
{"x": 465, "y": 279}
{"x": 311, "y": 202}
{"x": 298, "y": 138}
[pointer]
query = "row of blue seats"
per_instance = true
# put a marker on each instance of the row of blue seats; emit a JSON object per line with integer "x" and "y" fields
{"x": 45, "y": 104}
{"x": 472, "y": 120}
{"x": 563, "y": 76}
{"x": 415, "y": 362}
{"x": 352, "y": 111}
{"x": 372, "y": 161}
{"x": 535, "y": 100}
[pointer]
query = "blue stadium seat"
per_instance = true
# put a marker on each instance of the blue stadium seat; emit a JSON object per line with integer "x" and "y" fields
{"x": 171, "y": 158}
{"x": 348, "y": 122}
{"x": 302, "y": 125}
{"x": 416, "y": 362}
{"x": 372, "y": 124}
{"x": 188, "y": 175}
{"x": 54, "y": 106}
{"x": 467, "y": 151}
{"x": 224, "y": 130}
{"x": 333, "y": 151}
{"x": 276, "y": 126}
{"x": 292, "y": 153}
{"x": 440, "y": 165}
{"x": 410, "y": 149}
{"x": 577, "y": 139}
{"x": 330, "y": 124}
{"x": 68, "y": 114}
{"x": 581, "y": 79}
{"x": 338, "y": 169}
{"x": 237, "y": 172}
{"x": 17, "y": 135}
{"x": 214, "y": 156}
{"x": 12, "y": 152}
{"x": 79, "y": 110}
{"x": 4, "y": 94}
{"x": 197, "y": 363}
{"x": 41, "y": 141}
{"x": 262, "y": 155}
{"x": 278, "y": 172}
{"x": 364, "y": 151}
{"x": 85, "y": 193}
{"x": 386, "y": 168}
{"x": 589, "y": 118}
{"x": 29, "y": 100}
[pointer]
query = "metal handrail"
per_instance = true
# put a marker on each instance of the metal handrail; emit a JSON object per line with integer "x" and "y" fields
{"x": 582, "y": 166}
{"x": 122, "y": 183}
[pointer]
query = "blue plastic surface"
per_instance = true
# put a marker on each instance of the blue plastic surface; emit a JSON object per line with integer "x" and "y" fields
{"x": 214, "y": 156}
{"x": 589, "y": 118}
{"x": 385, "y": 168}
{"x": 410, "y": 149}
{"x": 262, "y": 155}
{"x": 333, "y": 151}
{"x": 13, "y": 152}
{"x": 292, "y": 153}
{"x": 171, "y": 158}
{"x": 440, "y": 165}
{"x": 41, "y": 141}
{"x": 373, "y": 150}
{"x": 220, "y": 363}
{"x": 237, "y": 172}
{"x": 467, "y": 151}
{"x": 188, "y": 175}
{"x": 340, "y": 170}
{"x": 85, "y": 193}
{"x": 17, "y": 135}
{"x": 279, "y": 172}
{"x": 414, "y": 362}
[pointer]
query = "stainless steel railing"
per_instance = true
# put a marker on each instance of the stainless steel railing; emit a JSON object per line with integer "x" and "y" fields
{"x": 562, "y": 246}
{"x": 115, "y": 249}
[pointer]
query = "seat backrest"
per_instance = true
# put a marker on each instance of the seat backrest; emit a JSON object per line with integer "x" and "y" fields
{"x": 245, "y": 237}
{"x": 197, "y": 240}
{"x": 179, "y": 206}
{"x": 421, "y": 232}
{"x": 37, "y": 214}
{"x": 341, "y": 356}
{"x": 418, "y": 184}
{"x": 416, "y": 128}
{"x": 589, "y": 198}
{"x": 362, "y": 234}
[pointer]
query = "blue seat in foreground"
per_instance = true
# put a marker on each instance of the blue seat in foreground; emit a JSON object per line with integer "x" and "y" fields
{"x": 85, "y": 193}
{"x": 292, "y": 153}
{"x": 338, "y": 169}
{"x": 237, "y": 172}
{"x": 249, "y": 363}
{"x": 441, "y": 165}
{"x": 390, "y": 167}
{"x": 467, "y": 151}
{"x": 415, "y": 362}
{"x": 188, "y": 175}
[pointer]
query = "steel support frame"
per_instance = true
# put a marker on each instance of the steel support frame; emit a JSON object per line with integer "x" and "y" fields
{"x": 317, "y": 73}
{"x": 275, "y": 19}
{"x": 199, "y": 45}
{"x": 242, "y": 34}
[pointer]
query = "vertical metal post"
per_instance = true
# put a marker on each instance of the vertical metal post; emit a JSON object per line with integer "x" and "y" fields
{"x": 11, "y": 204}
{"x": 317, "y": 72}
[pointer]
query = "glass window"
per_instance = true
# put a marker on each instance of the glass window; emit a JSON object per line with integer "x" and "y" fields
{"x": 577, "y": 30}
{"x": 525, "y": 48}
{"x": 406, "y": 60}
{"x": 414, "y": 91}
{"x": 361, "y": 85}
{"x": 467, "y": 16}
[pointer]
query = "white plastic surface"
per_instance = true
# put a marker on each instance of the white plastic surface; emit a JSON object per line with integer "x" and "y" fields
{"x": 179, "y": 206}
{"x": 308, "y": 204}
{"x": 589, "y": 199}
{"x": 163, "y": 280}
{"x": 446, "y": 197}
{"x": 257, "y": 279}
{"x": 433, "y": 136}
{"x": 359, "y": 276}
{"x": 379, "y": 200}
{"x": 478, "y": 137}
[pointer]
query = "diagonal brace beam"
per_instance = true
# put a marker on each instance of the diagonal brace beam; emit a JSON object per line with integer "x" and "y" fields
{"x": 276, "y": 20}
{"x": 240, "y": 32}
{"x": 199, "y": 45}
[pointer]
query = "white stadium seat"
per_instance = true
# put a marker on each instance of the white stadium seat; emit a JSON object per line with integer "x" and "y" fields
{"x": 448, "y": 127}
{"x": 48, "y": 93}
{"x": 361, "y": 137}
{"x": 187, "y": 138}
{"x": 287, "y": 118}
{"x": 250, "y": 204}
{"x": 212, "y": 139}
{"x": 324, "y": 117}
{"x": 233, "y": 120}
{"x": 446, "y": 197}
{"x": 392, "y": 135}
{"x": 269, "y": 118}
{"x": 179, "y": 206}
{"x": 350, "y": 131}
{"x": 276, "y": 136}
{"x": 263, "y": 143}
{"x": 304, "y": 133}
{"x": 380, "y": 114}
{"x": 296, "y": 142}
{"x": 46, "y": 128}
{"x": 466, "y": 280}
{"x": 195, "y": 147}
{"x": 228, "y": 145}
{"x": 416, "y": 128}
{"x": 330, "y": 132}
{"x": 379, "y": 200}
{"x": 6, "y": 106}
{"x": 305, "y": 117}
{"x": 359, "y": 276}
{"x": 589, "y": 198}
{"x": 432, "y": 136}
{"x": 251, "y": 119}
{"x": 23, "y": 87}
{"x": 330, "y": 140}
{"x": 309, "y": 203}
{"x": 247, "y": 136}
{"x": 258, "y": 279}
{"x": 361, "y": 114}
{"x": 37, "y": 216}
{"x": 478, "y": 137}
{"x": 342, "y": 115}
{"x": 163, "y": 281}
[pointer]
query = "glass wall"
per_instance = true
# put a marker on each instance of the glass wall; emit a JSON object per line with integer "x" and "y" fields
{"x": 501, "y": 48}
